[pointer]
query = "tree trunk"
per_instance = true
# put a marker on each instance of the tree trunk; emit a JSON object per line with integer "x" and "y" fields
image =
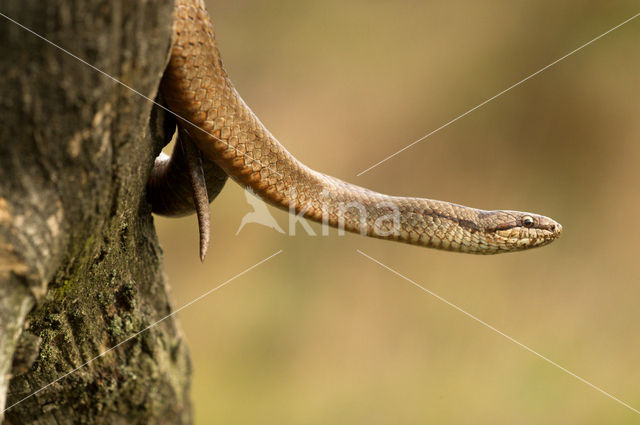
{"x": 80, "y": 264}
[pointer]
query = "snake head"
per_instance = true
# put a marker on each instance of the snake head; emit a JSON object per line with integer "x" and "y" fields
{"x": 515, "y": 230}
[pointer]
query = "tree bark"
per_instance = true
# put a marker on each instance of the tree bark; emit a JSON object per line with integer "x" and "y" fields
{"x": 80, "y": 264}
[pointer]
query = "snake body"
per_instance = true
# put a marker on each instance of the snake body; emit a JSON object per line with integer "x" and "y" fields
{"x": 233, "y": 142}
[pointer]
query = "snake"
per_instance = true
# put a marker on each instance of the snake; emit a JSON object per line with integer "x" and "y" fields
{"x": 219, "y": 137}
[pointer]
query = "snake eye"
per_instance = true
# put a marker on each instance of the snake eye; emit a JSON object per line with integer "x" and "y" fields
{"x": 527, "y": 221}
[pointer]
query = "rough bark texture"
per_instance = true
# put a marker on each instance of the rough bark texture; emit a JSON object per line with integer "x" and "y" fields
{"x": 80, "y": 265}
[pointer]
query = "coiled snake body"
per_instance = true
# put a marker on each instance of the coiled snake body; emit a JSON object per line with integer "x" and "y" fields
{"x": 219, "y": 136}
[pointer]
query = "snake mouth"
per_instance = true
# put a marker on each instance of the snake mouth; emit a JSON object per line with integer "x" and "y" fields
{"x": 546, "y": 232}
{"x": 557, "y": 231}
{"x": 551, "y": 230}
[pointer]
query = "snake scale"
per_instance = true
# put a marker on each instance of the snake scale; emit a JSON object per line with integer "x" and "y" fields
{"x": 219, "y": 136}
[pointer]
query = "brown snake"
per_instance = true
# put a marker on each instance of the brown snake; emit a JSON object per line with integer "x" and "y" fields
{"x": 233, "y": 142}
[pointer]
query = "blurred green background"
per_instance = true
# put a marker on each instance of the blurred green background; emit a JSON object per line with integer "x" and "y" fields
{"x": 322, "y": 335}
